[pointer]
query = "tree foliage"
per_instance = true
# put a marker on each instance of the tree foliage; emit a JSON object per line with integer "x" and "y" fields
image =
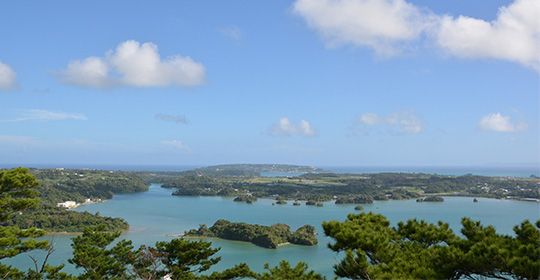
{"x": 419, "y": 250}
{"x": 92, "y": 252}
{"x": 55, "y": 219}
{"x": 265, "y": 236}
{"x": 284, "y": 271}
{"x": 176, "y": 259}
{"x": 17, "y": 192}
{"x": 372, "y": 248}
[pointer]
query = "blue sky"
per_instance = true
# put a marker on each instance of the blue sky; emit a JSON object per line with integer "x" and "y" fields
{"x": 321, "y": 82}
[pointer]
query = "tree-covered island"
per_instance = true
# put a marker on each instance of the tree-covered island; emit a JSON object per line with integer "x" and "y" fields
{"x": 264, "y": 236}
{"x": 245, "y": 198}
{"x": 431, "y": 198}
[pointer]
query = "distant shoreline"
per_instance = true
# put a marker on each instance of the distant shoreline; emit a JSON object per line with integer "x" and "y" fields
{"x": 451, "y": 170}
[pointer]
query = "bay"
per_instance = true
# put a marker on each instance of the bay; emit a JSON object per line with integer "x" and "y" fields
{"x": 155, "y": 215}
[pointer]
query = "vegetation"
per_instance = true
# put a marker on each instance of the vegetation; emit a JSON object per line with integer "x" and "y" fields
{"x": 431, "y": 198}
{"x": 371, "y": 248}
{"x": 97, "y": 254}
{"x": 59, "y": 185}
{"x": 18, "y": 191}
{"x": 358, "y": 199}
{"x": 265, "y": 236}
{"x": 284, "y": 271}
{"x": 231, "y": 170}
{"x": 54, "y": 219}
{"x": 419, "y": 250}
{"x": 348, "y": 188}
{"x": 245, "y": 198}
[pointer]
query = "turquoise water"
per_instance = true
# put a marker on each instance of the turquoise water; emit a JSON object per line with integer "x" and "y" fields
{"x": 156, "y": 215}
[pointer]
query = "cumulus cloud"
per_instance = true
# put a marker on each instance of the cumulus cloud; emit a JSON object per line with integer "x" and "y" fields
{"x": 379, "y": 24}
{"x": 387, "y": 26}
{"x": 176, "y": 144}
{"x": 284, "y": 127}
{"x": 178, "y": 119}
{"x": 134, "y": 64}
{"x": 45, "y": 115}
{"x": 514, "y": 35}
{"x": 89, "y": 72}
{"x": 405, "y": 122}
{"x": 500, "y": 123}
{"x": 7, "y": 77}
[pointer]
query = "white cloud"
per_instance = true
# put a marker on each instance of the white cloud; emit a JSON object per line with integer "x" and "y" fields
{"x": 389, "y": 25}
{"x": 305, "y": 128}
{"x": 134, "y": 64}
{"x": 7, "y": 77}
{"x": 45, "y": 115}
{"x": 176, "y": 144}
{"x": 284, "y": 127}
{"x": 89, "y": 72}
{"x": 178, "y": 119}
{"x": 370, "y": 119}
{"x": 500, "y": 123}
{"x": 405, "y": 122}
{"x": 379, "y": 24}
{"x": 514, "y": 35}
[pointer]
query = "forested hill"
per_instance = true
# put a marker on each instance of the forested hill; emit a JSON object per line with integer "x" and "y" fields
{"x": 378, "y": 186}
{"x": 250, "y": 169}
{"x": 58, "y": 185}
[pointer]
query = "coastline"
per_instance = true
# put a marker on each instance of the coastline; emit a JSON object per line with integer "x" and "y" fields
{"x": 71, "y": 233}
{"x": 190, "y": 236}
{"x": 524, "y": 199}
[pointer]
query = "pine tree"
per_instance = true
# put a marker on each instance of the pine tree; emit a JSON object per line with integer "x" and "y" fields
{"x": 419, "y": 250}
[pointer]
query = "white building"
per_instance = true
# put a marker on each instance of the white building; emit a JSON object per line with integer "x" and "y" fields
{"x": 67, "y": 204}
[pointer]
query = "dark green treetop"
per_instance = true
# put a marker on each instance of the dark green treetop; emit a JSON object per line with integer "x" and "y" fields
{"x": 419, "y": 250}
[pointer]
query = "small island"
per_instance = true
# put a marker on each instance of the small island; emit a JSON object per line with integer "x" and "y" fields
{"x": 432, "y": 198}
{"x": 354, "y": 199}
{"x": 314, "y": 203}
{"x": 264, "y": 236}
{"x": 249, "y": 199}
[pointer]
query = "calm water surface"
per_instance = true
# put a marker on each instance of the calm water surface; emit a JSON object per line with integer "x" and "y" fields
{"x": 156, "y": 215}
